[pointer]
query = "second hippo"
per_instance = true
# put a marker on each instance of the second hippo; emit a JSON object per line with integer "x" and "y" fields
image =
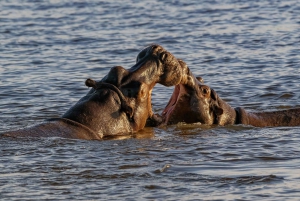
{"x": 193, "y": 102}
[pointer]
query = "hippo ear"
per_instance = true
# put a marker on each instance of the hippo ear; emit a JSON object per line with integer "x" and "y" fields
{"x": 91, "y": 83}
{"x": 200, "y": 79}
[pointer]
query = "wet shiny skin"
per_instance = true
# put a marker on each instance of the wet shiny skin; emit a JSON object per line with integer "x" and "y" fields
{"x": 247, "y": 51}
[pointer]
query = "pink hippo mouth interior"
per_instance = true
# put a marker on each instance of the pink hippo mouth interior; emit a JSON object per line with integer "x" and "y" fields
{"x": 169, "y": 109}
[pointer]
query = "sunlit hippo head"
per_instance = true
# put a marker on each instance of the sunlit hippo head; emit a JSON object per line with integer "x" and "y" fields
{"x": 109, "y": 110}
{"x": 193, "y": 102}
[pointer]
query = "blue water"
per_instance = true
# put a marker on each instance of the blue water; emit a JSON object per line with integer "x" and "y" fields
{"x": 248, "y": 51}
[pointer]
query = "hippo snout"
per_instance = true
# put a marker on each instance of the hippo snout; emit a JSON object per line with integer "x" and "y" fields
{"x": 170, "y": 70}
{"x": 156, "y": 49}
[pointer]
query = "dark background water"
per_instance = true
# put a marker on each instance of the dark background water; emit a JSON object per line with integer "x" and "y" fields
{"x": 248, "y": 51}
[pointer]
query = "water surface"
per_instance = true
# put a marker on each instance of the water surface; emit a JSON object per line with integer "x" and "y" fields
{"x": 248, "y": 51}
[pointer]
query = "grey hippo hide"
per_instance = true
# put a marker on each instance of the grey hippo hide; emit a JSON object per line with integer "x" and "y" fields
{"x": 118, "y": 104}
{"x": 193, "y": 102}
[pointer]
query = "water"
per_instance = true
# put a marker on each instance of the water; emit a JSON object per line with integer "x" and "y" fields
{"x": 248, "y": 51}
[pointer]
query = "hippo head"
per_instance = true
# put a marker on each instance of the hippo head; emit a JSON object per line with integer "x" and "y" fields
{"x": 107, "y": 111}
{"x": 194, "y": 102}
{"x": 121, "y": 101}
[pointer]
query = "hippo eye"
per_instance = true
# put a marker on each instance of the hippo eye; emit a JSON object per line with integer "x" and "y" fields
{"x": 205, "y": 90}
{"x": 141, "y": 55}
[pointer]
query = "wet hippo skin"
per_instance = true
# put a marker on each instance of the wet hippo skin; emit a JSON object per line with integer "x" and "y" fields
{"x": 193, "y": 102}
{"x": 118, "y": 104}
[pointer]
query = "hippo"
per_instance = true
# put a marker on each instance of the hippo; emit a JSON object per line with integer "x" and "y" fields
{"x": 118, "y": 104}
{"x": 195, "y": 102}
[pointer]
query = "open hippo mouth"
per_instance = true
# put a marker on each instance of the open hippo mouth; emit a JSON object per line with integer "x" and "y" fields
{"x": 179, "y": 103}
{"x": 169, "y": 109}
{"x": 178, "y": 106}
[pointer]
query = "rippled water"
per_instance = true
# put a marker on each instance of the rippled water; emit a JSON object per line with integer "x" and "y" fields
{"x": 248, "y": 51}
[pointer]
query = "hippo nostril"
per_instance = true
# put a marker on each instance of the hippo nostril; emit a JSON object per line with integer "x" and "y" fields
{"x": 205, "y": 90}
{"x": 163, "y": 56}
{"x": 156, "y": 49}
